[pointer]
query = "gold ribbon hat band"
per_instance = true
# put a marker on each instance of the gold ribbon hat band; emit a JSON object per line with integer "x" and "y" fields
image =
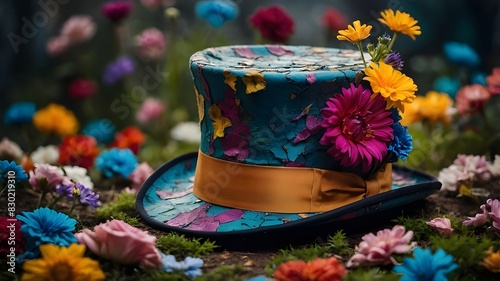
{"x": 282, "y": 189}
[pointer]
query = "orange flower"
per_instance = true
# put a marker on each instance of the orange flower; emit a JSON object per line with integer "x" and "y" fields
{"x": 436, "y": 107}
{"x": 492, "y": 261}
{"x": 355, "y": 33}
{"x": 329, "y": 269}
{"x": 290, "y": 271}
{"x": 393, "y": 85}
{"x": 131, "y": 137}
{"x": 57, "y": 119}
{"x": 78, "y": 150}
{"x": 400, "y": 22}
{"x": 325, "y": 270}
{"x": 412, "y": 112}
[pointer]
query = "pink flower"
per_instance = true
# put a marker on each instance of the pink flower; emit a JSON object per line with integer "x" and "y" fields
{"x": 47, "y": 177}
{"x": 57, "y": 45}
{"x": 494, "y": 212}
{"x": 378, "y": 249}
{"x": 157, "y": 3}
{"x": 122, "y": 243}
{"x": 140, "y": 175}
{"x": 78, "y": 29}
{"x": 82, "y": 88}
{"x": 150, "y": 110}
{"x": 151, "y": 44}
{"x": 475, "y": 166}
{"x": 116, "y": 11}
{"x": 443, "y": 225}
{"x": 493, "y": 81}
{"x": 333, "y": 20}
{"x": 10, "y": 150}
{"x": 480, "y": 219}
{"x": 274, "y": 23}
{"x": 471, "y": 99}
{"x": 358, "y": 128}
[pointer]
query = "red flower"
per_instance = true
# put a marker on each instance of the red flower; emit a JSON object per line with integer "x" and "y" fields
{"x": 471, "y": 99}
{"x": 494, "y": 81}
{"x": 130, "y": 137}
{"x": 116, "y": 11}
{"x": 78, "y": 150}
{"x": 333, "y": 20}
{"x": 274, "y": 23}
{"x": 82, "y": 88}
{"x": 10, "y": 236}
{"x": 317, "y": 270}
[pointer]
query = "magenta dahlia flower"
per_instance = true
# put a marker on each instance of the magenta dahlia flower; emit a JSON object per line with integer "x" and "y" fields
{"x": 358, "y": 127}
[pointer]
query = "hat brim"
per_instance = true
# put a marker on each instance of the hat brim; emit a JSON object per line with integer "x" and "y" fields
{"x": 166, "y": 202}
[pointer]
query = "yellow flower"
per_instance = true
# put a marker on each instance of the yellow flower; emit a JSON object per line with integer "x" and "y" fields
{"x": 200, "y": 101}
{"x": 230, "y": 79}
{"x": 57, "y": 119}
{"x": 393, "y": 85}
{"x": 400, "y": 22}
{"x": 492, "y": 261}
{"x": 219, "y": 123}
{"x": 254, "y": 81}
{"x": 355, "y": 32}
{"x": 436, "y": 107}
{"x": 412, "y": 112}
{"x": 62, "y": 264}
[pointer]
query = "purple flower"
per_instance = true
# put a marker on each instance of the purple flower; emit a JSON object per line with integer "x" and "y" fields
{"x": 394, "y": 59}
{"x": 117, "y": 70}
{"x": 65, "y": 190}
{"x": 87, "y": 197}
{"x": 116, "y": 11}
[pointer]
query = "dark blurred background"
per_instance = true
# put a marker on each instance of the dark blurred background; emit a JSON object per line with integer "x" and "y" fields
{"x": 27, "y": 73}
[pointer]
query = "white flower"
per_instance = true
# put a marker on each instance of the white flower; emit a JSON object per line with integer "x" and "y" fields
{"x": 495, "y": 167}
{"x": 79, "y": 174}
{"x": 10, "y": 149}
{"x": 45, "y": 155}
{"x": 451, "y": 176}
{"x": 186, "y": 131}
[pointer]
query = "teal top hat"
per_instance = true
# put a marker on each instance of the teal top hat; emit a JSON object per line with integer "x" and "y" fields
{"x": 289, "y": 135}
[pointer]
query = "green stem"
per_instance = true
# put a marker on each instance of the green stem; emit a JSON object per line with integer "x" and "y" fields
{"x": 40, "y": 199}
{"x": 360, "y": 48}
{"x": 73, "y": 204}
{"x": 392, "y": 41}
{"x": 54, "y": 201}
{"x": 3, "y": 190}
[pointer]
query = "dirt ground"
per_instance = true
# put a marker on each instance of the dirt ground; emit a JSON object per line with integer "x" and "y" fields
{"x": 254, "y": 261}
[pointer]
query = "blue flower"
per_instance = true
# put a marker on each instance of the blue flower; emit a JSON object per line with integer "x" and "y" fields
{"x": 447, "y": 85}
{"x": 217, "y": 12}
{"x": 116, "y": 162}
{"x": 45, "y": 226}
{"x": 479, "y": 78}
{"x": 102, "y": 130}
{"x": 10, "y": 170}
{"x": 425, "y": 266}
{"x": 190, "y": 266}
{"x": 19, "y": 113}
{"x": 401, "y": 145}
{"x": 87, "y": 197}
{"x": 118, "y": 69}
{"x": 461, "y": 54}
